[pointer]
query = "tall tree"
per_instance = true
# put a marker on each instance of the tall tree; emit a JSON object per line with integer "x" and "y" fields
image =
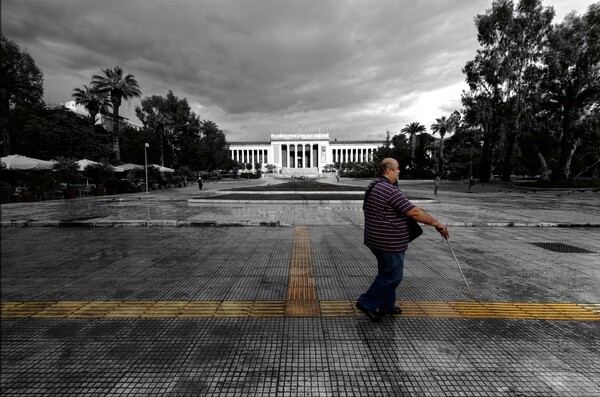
{"x": 572, "y": 80}
{"x": 175, "y": 125}
{"x": 483, "y": 111}
{"x": 412, "y": 130}
{"x": 442, "y": 126}
{"x": 512, "y": 43}
{"x": 119, "y": 86}
{"x": 21, "y": 84}
{"x": 214, "y": 150}
{"x": 95, "y": 102}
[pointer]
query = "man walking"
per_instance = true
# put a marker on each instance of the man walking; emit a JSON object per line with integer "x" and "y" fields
{"x": 386, "y": 210}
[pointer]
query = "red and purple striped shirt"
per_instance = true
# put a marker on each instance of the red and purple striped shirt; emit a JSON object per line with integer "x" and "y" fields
{"x": 385, "y": 222}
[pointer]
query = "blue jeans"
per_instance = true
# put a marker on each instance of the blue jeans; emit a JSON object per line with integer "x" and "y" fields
{"x": 382, "y": 293}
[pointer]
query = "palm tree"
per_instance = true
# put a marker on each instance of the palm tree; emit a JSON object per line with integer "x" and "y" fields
{"x": 442, "y": 126}
{"x": 413, "y": 129}
{"x": 94, "y": 101}
{"x": 118, "y": 86}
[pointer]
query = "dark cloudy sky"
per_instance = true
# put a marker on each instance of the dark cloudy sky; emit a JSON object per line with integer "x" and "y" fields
{"x": 255, "y": 67}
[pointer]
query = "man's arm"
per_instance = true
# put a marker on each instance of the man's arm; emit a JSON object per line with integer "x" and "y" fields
{"x": 421, "y": 216}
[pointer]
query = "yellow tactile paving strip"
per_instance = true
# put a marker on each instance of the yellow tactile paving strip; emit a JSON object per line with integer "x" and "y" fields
{"x": 264, "y": 309}
{"x": 302, "y": 299}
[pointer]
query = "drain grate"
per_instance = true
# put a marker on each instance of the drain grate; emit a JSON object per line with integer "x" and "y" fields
{"x": 562, "y": 247}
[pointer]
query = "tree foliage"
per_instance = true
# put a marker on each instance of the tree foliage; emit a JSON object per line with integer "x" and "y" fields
{"x": 175, "y": 128}
{"x": 572, "y": 82}
{"x": 118, "y": 86}
{"x": 21, "y": 85}
{"x": 213, "y": 153}
{"x": 413, "y": 129}
{"x": 48, "y": 133}
{"x": 533, "y": 88}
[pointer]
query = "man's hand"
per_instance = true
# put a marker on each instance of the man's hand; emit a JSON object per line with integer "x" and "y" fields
{"x": 421, "y": 216}
{"x": 443, "y": 230}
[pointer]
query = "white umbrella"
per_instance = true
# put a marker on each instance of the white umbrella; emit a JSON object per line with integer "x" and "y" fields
{"x": 18, "y": 162}
{"x": 130, "y": 167}
{"x": 85, "y": 162}
{"x": 161, "y": 168}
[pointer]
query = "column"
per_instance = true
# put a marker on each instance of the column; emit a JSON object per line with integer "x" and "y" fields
{"x": 287, "y": 155}
{"x": 305, "y": 158}
{"x": 293, "y": 155}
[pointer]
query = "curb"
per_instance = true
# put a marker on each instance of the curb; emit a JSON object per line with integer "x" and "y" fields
{"x": 520, "y": 224}
{"x": 186, "y": 223}
{"x": 197, "y": 202}
{"x": 136, "y": 223}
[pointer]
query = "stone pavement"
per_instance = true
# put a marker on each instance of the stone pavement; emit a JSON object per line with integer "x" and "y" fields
{"x": 160, "y": 295}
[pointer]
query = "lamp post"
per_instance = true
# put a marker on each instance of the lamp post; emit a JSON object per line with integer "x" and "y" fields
{"x": 146, "y": 146}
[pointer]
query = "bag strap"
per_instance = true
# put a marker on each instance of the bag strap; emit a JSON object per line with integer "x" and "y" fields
{"x": 368, "y": 193}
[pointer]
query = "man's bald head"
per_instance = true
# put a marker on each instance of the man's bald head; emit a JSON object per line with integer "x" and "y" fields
{"x": 387, "y": 163}
{"x": 390, "y": 169}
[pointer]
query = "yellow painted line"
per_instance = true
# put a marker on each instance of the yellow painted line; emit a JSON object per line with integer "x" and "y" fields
{"x": 280, "y": 309}
{"x": 302, "y": 299}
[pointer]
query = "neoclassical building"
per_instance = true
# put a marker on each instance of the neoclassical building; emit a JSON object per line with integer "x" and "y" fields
{"x": 306, "y": 152}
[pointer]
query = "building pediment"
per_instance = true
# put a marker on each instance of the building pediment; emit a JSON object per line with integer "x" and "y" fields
{"x": 299, "y": 137}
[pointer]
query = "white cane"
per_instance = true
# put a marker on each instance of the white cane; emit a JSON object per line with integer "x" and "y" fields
{"x": 458, "y": 264}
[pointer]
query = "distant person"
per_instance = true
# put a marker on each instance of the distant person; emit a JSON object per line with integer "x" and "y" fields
{"x": 199, "y": 181}
{"x": 337, "y": 175}
{"x": 436, "y": 184}
{"x": 386, "y": 210}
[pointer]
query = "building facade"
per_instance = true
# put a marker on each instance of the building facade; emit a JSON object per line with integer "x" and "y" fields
{"x": 306, "y": 152}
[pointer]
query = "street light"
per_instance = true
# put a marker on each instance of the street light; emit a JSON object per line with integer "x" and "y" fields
{"x": 146, "y": 146}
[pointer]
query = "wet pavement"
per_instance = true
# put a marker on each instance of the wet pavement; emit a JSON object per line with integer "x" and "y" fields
{"x": 164, "y": 294}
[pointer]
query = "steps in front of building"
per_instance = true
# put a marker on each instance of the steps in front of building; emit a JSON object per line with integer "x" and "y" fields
{"x": 298, "y": 172}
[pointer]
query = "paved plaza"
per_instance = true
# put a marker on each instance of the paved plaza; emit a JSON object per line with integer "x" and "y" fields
{"x": 172, "y": 294}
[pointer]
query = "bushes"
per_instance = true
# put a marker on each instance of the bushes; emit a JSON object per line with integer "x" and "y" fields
{"x": 358, "y": 170}
{"x": 67, "y": 170}
{"x": 100, "y": 174}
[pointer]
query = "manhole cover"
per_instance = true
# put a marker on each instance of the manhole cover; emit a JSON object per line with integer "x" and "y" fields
{"x": 561, "y": 247}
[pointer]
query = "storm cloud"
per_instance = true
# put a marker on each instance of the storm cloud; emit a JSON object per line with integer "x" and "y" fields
{"x": 355, "y": 68}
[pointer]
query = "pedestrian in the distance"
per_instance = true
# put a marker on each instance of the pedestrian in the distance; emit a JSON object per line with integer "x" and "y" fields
{"x": 337, "y": 175}
{"x": 386, "y": 210}
{"x": 436, "y": 184}
{"x": 200, "y": 181}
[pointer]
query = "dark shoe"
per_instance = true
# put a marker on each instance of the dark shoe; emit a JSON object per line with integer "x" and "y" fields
{"x": 376, "y": 318}
{"x": 392, "y": 312}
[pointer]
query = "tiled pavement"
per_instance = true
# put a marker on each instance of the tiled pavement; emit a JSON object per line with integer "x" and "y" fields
{"x": 194, "y": 311}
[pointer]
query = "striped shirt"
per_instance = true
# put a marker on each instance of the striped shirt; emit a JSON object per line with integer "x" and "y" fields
{"x": 385, "y": 222}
